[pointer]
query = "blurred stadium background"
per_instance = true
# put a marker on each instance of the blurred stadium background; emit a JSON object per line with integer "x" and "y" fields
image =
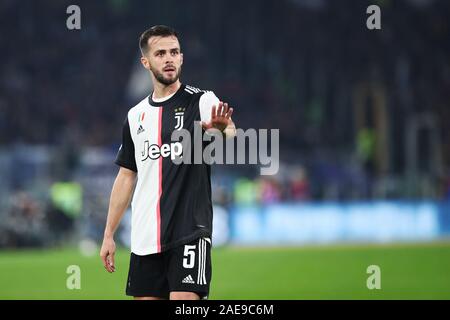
{"x": 364, "y": 143}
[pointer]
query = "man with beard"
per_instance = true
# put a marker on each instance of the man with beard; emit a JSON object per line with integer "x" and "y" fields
{"x": 171, "y": 206}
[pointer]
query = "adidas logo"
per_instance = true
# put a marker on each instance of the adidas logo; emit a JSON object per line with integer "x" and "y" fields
{"x": 141, "y": 129}
{"x": 188, "y": 279}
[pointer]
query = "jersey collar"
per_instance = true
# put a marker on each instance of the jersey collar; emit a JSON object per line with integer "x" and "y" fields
{"x": 168, "y": 101}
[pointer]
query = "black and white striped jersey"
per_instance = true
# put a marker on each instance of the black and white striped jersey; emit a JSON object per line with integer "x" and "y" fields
{"x": 171, "y": 204}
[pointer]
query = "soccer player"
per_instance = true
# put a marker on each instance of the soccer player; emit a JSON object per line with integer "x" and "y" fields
{"x": 171, "y": 205}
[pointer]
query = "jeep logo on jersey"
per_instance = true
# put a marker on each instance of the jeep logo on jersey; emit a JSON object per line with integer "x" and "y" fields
{"x": 179, "y": 116}
{"x": 154, "y": 151}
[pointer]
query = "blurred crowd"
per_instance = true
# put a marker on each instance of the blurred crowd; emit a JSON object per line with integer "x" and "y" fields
{"x": 31, "y": 221}
{"x": 362, "y": 114}
{"x": 292, "y": 64}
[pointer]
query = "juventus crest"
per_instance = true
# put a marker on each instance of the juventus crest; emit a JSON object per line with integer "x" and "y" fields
{"x": 179, "y": 117}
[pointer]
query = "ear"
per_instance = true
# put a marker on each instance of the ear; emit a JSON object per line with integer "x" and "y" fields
{"x": 145, "y": 62}
{"x": 181, "y": 54}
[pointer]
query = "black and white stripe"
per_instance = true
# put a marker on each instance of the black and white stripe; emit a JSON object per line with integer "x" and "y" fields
{"x": 201, "y": 277}
{"x": 193, "y": 90}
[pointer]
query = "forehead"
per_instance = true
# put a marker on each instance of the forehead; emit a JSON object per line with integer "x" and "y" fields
{"x": 163, "y": 43}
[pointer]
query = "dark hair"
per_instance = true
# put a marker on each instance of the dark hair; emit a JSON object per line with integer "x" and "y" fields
{"x": 155, "y": 31}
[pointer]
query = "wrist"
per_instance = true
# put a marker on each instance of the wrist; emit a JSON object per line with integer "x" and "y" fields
{"x": 108, "y": 234}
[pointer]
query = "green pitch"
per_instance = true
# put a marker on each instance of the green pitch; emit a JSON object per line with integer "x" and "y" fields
{"x": 420, "y": 271}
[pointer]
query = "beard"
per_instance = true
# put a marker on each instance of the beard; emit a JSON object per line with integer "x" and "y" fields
{"x": 166, "y": 80}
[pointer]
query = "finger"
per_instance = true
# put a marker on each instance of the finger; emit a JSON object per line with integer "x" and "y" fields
{"x": 229, "y": 113}
{"x": 111, "y": 262}
{"x": 109, "y": 268}
{"x": 213, "y": 112}
{"x": 106, "y": 263}
{"x": 225, "y": 109}
{"x": 219, "y": 110}
{"x": 104, "y": 260}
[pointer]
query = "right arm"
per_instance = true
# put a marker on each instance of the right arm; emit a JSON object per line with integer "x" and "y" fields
{"x": 119, "y": 201}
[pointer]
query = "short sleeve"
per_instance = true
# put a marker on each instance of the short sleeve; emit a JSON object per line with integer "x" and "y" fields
{"x": 207, "y": 101}
{"x": 125, "y": 156}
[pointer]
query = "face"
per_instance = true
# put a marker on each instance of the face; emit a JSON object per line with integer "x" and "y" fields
{"x": 164, "y": 59}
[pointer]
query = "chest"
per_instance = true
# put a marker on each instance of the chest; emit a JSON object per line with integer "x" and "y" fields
{"x": 153, "y": 127}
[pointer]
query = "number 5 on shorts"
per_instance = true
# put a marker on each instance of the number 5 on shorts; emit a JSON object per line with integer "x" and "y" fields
{"x": 189, "y": 256}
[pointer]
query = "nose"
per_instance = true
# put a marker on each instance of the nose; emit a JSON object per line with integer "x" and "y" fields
{"x": 169, "y": 59}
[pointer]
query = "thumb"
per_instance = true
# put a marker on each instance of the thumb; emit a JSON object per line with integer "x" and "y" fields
{"x": 111, "y": 259}
{"x": 104, "y": 257}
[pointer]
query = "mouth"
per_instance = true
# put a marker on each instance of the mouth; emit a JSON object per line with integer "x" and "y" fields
{"x": 169, "y": 69}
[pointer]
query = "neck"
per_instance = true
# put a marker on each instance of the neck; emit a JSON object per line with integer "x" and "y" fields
{"x": 161, "y": 90}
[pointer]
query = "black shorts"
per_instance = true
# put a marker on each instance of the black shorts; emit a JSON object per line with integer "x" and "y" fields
{"x": 184, "y": 268}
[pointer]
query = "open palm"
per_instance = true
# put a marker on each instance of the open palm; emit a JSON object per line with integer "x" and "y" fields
{"x": 220, "y": 117}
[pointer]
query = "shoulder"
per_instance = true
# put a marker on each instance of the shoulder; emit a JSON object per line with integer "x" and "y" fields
{"x": 197, "y": 92}
{"x": 204, "y": 96}
{"x": 194, "y": 90}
